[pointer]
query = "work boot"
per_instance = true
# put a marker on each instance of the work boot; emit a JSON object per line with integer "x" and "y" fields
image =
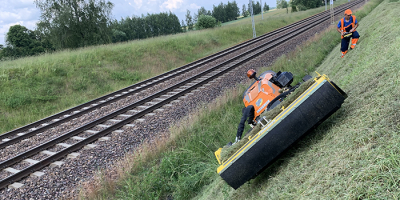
{"x": 353, "y": 43}
{"x": 343, "y": 53}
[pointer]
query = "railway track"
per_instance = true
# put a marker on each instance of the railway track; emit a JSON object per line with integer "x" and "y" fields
{"x": 126, "y": 115}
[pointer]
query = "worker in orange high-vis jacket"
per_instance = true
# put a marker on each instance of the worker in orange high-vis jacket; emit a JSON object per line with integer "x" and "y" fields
{"x": 347, "y": 28}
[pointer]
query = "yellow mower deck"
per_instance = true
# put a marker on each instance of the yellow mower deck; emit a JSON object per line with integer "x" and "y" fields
{"x": 311, "y": 108}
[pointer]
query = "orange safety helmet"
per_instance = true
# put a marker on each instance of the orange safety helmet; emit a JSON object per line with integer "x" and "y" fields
{"x": 348, "y": 12}
{"x": 251, "y": 73}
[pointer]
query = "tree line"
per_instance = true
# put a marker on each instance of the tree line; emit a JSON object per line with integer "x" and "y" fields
{"x": 152, "y": 25}
{"x": 256, "y": 8}
{"x": 24, "y": 42}
{"x": 221, "y": 13}
{"x": 69, "y": 24}
{"x": 300, "y": 5}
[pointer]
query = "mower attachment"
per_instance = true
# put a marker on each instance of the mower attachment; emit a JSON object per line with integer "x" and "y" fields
{"x": 310, "y": 109}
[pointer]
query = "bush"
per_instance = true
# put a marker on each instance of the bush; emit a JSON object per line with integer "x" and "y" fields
{"x": 118, "y": 36}
{"x": 301, "y": 8}
{"x": 205, "y": 21}
{"x": 294, "y": 9}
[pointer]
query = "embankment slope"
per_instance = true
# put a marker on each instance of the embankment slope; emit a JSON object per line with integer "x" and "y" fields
{"x": 356, "y": 152}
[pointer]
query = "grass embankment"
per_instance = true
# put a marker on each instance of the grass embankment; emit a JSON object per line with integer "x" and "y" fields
{"x": 36, "y": 87}
{"x": 352, "y": 154}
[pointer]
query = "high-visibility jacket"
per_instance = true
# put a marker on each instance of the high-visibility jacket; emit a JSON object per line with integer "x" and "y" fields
{"x": 352, "y": 25}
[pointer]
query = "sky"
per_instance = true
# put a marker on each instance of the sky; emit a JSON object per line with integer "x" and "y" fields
{"x": 25, "y": 13}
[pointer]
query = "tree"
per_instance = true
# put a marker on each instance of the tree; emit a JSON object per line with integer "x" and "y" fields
{"x": 189, "y": 21}
{"x": 183, "y": 26}
{"x": 306, "y": 4}
{"x": 202, "y": 11}
{"x": 173, "y": 24}
{"x": 118, "y": 36}
{"x": 284, "y": 4}
{"x": 281, "y": 4}
{"x": 233, "y": 11}
{"x": 206, "y": 21}
{"x": 226, "y": 12}
{"x": 18, "y": 36}
{"x": 266, "y": 7}
{"x": 278, "y": 4}
{"x": 245, "y": 13}
{"x": 219, "y": 13}
{"x": 75, "y": 23}
{"x": 256, "y": 8}
{"x": 294, "y": 8}
{"x": 152, "y": 25}
{"x": 23, "y": 42}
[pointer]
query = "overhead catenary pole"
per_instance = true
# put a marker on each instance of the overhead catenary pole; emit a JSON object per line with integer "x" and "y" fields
{"x": 262, "y": 16}
{"x": 325, "y": 5}
{"x": 332, "y": 14}
{"x": 252, "y": 18}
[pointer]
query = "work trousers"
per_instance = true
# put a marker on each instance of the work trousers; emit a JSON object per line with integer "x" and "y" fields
{"x": 247, "y": 114}
{"x": 346, "y": 41}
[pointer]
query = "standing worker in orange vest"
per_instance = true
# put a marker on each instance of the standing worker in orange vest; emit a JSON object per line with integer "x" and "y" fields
{"x": 347, "y": 28}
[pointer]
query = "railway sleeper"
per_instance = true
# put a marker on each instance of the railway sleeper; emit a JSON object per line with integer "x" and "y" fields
{"x": 73, "y": 155}
{"x": 37, "y": 174}
{"x": 56, "y": 164}
{"x": 15, "y": 185}
{"x": 30, "y": 161}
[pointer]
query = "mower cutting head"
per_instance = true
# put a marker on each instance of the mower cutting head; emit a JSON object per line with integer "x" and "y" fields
{"x": 312, "y": 103}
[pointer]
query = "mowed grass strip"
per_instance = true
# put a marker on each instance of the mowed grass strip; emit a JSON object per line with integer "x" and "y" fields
{"x": 36, "y": 87}
{"x": 183, "y": 166}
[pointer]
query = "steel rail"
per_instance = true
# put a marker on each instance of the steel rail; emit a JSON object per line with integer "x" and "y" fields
{"x": 92, "y": 138}
{"x": 135, "y": 87}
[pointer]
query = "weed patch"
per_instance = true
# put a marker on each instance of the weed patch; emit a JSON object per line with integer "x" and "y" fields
{"x": 17, "y": 100}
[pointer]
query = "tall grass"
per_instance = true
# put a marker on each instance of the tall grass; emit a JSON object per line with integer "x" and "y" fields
{"x": 35, "y": 87}
{"x": 185, "y": 167}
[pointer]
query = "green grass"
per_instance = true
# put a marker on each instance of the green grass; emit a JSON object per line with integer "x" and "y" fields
{"x": 353, "y": 154}
{"x": 36, "y": 87}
